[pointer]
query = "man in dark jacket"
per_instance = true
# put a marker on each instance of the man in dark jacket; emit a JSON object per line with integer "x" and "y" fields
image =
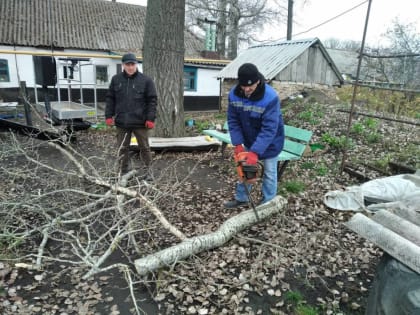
{"x": 255, "y": 125}
{"x": 131, "y": 105}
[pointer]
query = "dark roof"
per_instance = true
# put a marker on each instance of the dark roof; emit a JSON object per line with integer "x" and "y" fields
{"x": 79, "y": 24}
{"x": 345, "y": 60}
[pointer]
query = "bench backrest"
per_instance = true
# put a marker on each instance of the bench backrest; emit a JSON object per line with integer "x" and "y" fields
{"x": 297, "y": 134}
{"x": 294, "y": 145}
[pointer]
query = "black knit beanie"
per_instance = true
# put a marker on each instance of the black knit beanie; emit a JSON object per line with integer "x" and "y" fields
{"x": 248, "y": 74}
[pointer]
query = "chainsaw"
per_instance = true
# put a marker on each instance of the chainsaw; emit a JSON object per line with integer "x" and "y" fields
{"x": 248, "y": 174}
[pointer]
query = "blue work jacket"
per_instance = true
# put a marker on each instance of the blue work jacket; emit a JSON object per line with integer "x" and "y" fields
{"x": 256, "y": 121}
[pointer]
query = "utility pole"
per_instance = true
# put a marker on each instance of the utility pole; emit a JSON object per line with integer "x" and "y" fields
{"x": 289, "y": 19}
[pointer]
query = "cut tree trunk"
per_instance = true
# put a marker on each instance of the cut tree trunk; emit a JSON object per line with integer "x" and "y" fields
{"x": 197, "y": 244}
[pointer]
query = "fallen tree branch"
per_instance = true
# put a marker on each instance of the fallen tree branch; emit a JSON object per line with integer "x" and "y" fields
{"x": 194, "y": 245}
{"x": 126, "y": 191}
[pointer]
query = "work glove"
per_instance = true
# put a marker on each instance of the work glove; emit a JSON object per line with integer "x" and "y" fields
{"x": 252, "y": 158}
{"x": 149, "y": 124}
{"x": 109, "y": 121}
{"x": 238, "y": 149}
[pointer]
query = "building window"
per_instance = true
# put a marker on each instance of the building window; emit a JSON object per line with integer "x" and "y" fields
{"x": 4, "y": 71}
{"x": 101, "y": 74}
{"x": 190, "y": 79}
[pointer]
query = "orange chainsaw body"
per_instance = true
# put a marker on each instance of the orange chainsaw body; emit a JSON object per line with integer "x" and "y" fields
{"x": 247, "y": 173}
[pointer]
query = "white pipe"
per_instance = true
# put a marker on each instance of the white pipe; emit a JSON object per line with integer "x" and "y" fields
{"x": 69, "y": 54}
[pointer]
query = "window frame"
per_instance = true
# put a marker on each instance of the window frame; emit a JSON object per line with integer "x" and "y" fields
{"x": 190, "y": 79}
{"x": 4, "y": 69}
{"x": 96, "y": 75}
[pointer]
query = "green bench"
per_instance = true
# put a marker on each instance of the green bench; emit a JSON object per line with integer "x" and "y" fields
{"x": 295, "y": 143}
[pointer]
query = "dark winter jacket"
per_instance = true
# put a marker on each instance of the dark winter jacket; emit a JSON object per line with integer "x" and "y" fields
{"x": 131, "y": 100}
{"x": 257, "y": 121}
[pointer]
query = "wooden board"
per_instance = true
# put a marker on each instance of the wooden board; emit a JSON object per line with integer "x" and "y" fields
{"x": 204, "y": 143}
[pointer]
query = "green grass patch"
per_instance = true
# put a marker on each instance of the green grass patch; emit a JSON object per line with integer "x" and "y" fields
{"x": 357, "y": 128}
{"x": 312, "y": 115}
{"x": 306, "y": 310}
{"x": 293, "y": 187}
{"x": 300, "y": 307}
{"x": 321, "y": 170}
{"x": 9, "y": 245}
{"x": 201, "y": 125}
{"x": 370, "y": 123}
{"x": 382, "y": 163}
{"x": 308, "y": 165}
{"x": 293, "y": 297}
{"x": 337, "y": 142}
{"x": 373, "y": 137}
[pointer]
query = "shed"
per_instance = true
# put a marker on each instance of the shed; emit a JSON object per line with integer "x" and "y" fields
{"x": 303, "y": 62}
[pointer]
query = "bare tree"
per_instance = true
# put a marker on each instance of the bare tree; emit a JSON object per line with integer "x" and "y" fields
{"x": 405, "y": 42}
{"x": 163, "y": 55}
{"x": 238, "y": 21}
{"x": 397, "y": 64}
{"x": 335, "y": 43}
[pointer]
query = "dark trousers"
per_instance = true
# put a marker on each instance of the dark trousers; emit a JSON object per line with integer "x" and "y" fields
{"x": 123, "y": 144}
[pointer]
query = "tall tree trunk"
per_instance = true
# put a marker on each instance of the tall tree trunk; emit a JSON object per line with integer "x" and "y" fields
{"x": 163, "y": 57}
{"x": 221, "y": 28}
{"x": 235, "y": 15}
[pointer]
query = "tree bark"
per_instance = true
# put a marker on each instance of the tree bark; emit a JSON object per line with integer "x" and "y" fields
{"x": 221, "y": 28}
{"x": 163, "y": 55}
{"x": 194, "y": 245}
{"x": 235, "y": 16}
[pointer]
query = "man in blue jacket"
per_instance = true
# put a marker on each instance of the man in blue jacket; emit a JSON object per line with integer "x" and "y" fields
{"x": 255, "y": 125}
{"x": 131, "y": 105}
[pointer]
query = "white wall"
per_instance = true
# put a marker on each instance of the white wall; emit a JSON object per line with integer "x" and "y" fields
{"x": 207, "y": 83}
{"x": 21, "y": 67}
{"x": 18, "y": 64}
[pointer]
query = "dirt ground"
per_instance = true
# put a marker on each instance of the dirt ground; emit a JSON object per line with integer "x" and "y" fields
{"x": 301, "y": 261}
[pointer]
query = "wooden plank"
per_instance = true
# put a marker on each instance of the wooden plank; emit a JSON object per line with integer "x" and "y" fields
{"x": 297, "y": 133}
{"x": 33, "y": 132}
{"x": 287, "y": 156}
{"x": 294, "y": 147}
{"x": 178, "y": 144}
{"x": 224, "y": 137}
{"x": 289, "y": 131}
{"x": 398, "y": 168}
{"x": 226, "y": 126}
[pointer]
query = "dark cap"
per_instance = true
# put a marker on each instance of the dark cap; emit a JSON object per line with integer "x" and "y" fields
{"x": 130, "y": 57}
{"x": 248, "y": 74}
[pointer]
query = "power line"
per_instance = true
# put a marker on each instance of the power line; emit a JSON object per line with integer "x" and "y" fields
{"x": 332, "y": 19}
{"x": 325, "y": 22}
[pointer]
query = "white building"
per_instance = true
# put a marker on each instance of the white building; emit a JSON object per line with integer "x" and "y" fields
{"x": 97, "y": 31}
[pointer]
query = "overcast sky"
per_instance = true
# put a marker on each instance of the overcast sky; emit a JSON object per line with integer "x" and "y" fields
{"x": 348, "y": 26}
